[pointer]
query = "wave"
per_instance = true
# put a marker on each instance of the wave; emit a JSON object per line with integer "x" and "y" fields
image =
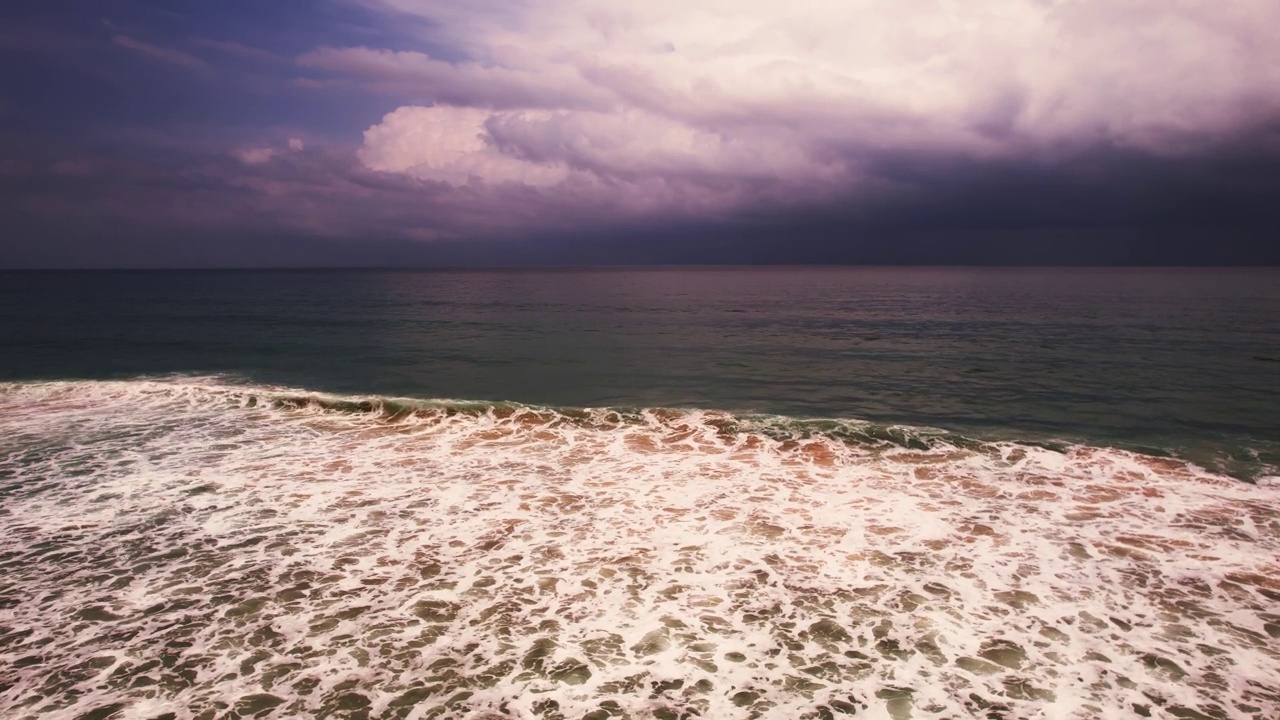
{"x": 199, "y": 546}
{"x": 1240, "y": 462}
{"x": 725, "y": 424}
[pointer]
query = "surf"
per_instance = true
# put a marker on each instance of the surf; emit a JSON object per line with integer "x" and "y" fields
{"x": 198, "y": 545}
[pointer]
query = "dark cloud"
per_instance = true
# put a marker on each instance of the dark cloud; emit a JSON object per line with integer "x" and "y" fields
{"x": 320, "y": 207}
{"x": 409, "y": 132}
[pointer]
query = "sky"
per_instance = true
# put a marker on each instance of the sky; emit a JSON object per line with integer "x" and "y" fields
{"x": 547, "y": 132}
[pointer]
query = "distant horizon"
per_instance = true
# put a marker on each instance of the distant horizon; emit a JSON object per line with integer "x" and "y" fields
{"x": 803, "y": 246}
{"x": 636, "y": 266}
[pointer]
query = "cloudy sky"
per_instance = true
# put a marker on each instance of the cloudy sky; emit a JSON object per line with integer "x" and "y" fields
{"x": 373, "y": 132}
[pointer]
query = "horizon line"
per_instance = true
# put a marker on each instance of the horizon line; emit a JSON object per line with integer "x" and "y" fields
{"x": 643, "y": 266}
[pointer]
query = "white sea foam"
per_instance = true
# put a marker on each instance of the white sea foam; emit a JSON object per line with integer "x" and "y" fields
{"x": 195, "y": 548}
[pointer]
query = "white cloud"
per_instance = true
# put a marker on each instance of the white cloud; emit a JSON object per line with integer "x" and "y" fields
{"x": 449, "y": 145}
{"x": 460, "y": 145}
{"x": 727, "y": 96}
{"x": 255, "y": 156}
{"x": 265, "y": 154}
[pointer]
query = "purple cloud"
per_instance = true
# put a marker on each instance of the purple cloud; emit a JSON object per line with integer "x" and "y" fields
{"x": 155, "y": 52}
{"x": 465, "y": 84}
{"x": 441, "y": 119}
{"x": 240, "y": 50}
{"x": 670, "y": 106}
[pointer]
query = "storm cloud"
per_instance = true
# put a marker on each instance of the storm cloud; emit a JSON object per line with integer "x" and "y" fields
{"x": 729, "y": 103}
{"x": 588, "y": 127}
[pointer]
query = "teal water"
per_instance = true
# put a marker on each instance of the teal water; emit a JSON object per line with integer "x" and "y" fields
{"x": 1174, "y": 361}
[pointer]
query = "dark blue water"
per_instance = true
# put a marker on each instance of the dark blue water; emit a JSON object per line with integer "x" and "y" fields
{"x": 1185, "y": 362}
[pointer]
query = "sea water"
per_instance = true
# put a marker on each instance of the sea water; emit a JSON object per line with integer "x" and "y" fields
{"x": 670, "y": 494}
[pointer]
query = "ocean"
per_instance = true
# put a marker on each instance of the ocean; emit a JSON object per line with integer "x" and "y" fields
{"x": 640, "y": 493}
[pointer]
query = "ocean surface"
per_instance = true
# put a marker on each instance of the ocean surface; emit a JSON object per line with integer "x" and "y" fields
{"x": 658, "y": 493}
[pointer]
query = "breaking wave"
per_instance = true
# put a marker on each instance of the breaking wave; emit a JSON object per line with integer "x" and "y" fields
{"x": 198, "y": 548}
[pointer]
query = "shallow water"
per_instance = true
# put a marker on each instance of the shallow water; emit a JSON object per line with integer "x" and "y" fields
{"x": 203, "y": 547}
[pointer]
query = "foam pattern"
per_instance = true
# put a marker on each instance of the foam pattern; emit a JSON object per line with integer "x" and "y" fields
{"x": 197, "y": 548}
